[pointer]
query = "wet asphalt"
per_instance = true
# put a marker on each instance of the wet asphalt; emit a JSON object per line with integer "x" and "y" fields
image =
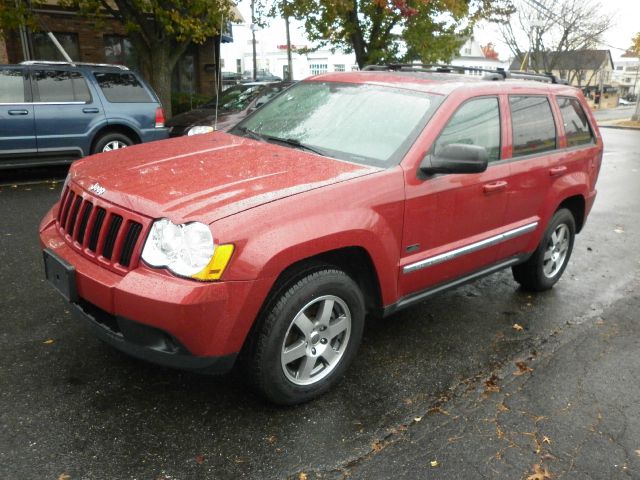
{"x": 486, "y": 381}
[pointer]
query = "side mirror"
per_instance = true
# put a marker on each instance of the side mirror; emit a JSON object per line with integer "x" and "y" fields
{"x": 456, "y": 158}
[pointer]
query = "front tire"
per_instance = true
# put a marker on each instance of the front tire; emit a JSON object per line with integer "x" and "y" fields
{"x": 545, "y": 267}
{"x": 308, "y": 337}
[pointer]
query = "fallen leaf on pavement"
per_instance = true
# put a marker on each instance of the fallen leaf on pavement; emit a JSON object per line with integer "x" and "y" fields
{"x": 522, "y": 369}
{"x": 491, "y": 385}
{"x": 539, "y": 473}
{"x": 619, "y": 230}
{"x": 417, "y": 419}
{"x": 435, "y": 463}
{"x": 502, "y": 407}
{"x": 302, "y": 476}
{"x": 638, "y": 452}
{"x": 517, "y": 327}
{"x": 64, "y": 476}
{"x": 271, "y": 439}
{"x": 546, "y": 439}
{"x": 49, "y": 341}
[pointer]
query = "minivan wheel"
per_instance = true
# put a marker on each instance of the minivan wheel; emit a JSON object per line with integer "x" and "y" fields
{"x": 308, "y": 338}
{"x": 111, "y": 141}
{"x": 545, "y": 267}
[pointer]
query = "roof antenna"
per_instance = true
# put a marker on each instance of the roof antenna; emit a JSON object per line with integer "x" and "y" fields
{"x": 218, "y": 76}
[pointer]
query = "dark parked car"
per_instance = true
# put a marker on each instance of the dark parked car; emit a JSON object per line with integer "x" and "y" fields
{"x": 56, "y": 112}
{"x": 233, "y": 105}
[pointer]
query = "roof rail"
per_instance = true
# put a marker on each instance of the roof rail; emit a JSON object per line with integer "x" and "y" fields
{"x": 491, "y": 74}
{"x": 74, "y": 64}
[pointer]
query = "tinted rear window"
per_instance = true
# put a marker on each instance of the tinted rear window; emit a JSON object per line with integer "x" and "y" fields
{"x": 534, "y": 130}
{"x": 11, "y": 86}
{"x": 122, "y": 88}
{"x": 61, "y": 86}
{"x": 576, "y": 125}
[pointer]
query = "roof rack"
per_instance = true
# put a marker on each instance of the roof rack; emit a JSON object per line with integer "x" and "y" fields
{"x": 497, "y": 74}
{"x": 74, "y": 64}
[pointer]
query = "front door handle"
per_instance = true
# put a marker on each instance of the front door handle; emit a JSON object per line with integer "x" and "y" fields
{"x": 18, "y": 112}
{"x": 557, "y": 171}
{"x": 495, "y": 187}
{"x": 90, "y": 110}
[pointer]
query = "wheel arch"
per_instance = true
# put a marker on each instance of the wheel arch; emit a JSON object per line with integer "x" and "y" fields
{"x": 115, "y": 128}
{"x": 576, "y": 205}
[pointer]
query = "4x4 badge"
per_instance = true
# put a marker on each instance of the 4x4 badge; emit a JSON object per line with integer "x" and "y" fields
{"x": 97, "y": 189}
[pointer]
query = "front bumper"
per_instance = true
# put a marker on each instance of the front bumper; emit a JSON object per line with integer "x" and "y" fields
{"x": 156, "y": 316}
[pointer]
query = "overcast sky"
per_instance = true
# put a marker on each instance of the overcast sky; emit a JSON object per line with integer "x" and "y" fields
{"x": 626, "y": 24}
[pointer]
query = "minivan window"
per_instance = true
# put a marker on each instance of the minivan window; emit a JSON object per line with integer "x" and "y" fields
{"x": 61, "y": 86}
{"x": 11, "y": 86}
{"x": 477, "y": 122}
{"x": 122, "y": 87}
{"x": 576, "y": 125}
{"x": 534, "y": 130}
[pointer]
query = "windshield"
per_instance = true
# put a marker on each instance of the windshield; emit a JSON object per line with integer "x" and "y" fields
{"x": 362, "y": 123}
{"x": 236, "y": 98}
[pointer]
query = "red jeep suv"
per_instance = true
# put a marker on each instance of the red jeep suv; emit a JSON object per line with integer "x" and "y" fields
{"x": 350, "y": 194}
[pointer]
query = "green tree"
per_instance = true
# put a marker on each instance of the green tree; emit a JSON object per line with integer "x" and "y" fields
{"x": 635, "y": 44}
{"x": 380, "y": 31}
{"x": 160, "y": 30}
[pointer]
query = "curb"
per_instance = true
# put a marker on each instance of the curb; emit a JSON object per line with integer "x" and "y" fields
{"x": 619, "y": 127}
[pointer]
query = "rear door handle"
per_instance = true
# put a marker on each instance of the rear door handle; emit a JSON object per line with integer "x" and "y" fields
{"x": 495, "y": 187}
{"x": 556, "y": 171}
{"x": 18, "y": 112}
{"x": 90, "y": 110}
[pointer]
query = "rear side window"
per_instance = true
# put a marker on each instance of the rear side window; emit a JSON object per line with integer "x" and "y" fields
{"x": 11, "y": 86}
{"x": 534, "y": 130}
{"x": 61, "y": 86}
{"x": 576, "y": 125}
{"x": 122, "y": 88}
{"x": 477, "y": 122}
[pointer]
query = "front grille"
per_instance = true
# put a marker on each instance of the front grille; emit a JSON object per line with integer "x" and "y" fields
{"x": 106, "y": 233}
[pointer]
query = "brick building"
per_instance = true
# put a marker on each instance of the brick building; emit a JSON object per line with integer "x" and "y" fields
{"x": 85, "y": 41}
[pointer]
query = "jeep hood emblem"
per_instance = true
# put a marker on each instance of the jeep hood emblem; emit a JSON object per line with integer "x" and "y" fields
{"x": 97, "y": 189}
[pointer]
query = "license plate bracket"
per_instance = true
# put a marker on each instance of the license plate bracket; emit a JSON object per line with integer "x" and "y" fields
{"x": 61, "y": 275}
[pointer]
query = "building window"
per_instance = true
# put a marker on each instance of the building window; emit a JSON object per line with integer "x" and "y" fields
{"x": 238, "y": 65}
{"x": 184, "y": 73}
{"x": 44, "y": 48}
{"x": 118, "y": 49}
{"x": 317, "y": 68}
{"x": 619, "y": 67}
{"x": 338, "y": 67}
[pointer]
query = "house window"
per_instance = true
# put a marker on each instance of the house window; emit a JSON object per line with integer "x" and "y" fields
{"x": 620, "y": 67}
{"x": 318, "y": 68}
{"x": 184, "y": 73}
{"x": 338, "y": 67}
{"x": 44, "y": 48}
{"x": 118, "y": 49}
{"x": 238, "y": 65}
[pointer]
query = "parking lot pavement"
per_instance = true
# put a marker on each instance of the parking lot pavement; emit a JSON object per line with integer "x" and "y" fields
{"x": 434, "y": 383}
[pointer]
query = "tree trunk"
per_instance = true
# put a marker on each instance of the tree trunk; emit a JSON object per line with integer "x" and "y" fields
{"x": 157, "y": 65}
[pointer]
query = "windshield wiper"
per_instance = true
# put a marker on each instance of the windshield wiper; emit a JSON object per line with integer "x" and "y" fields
{"x": 294, "y": 143}
{"x": 252, "y": 134}
{"x": 270, "y": 138}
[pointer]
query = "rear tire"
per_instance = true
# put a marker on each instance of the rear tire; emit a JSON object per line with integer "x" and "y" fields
{"x": 111, "y": 141}
{"x": 545, "y": 267}
{"x": 307, "y": 337}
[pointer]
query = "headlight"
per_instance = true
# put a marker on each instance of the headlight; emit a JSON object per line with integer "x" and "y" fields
{"x": 199, "y": 129}
{"x": 186, "y": 250}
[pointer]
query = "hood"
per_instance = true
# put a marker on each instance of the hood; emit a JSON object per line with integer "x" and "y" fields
{"x": 206, "y": 177}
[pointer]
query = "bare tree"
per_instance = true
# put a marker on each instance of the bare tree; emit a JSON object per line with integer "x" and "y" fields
{"x": 542, "y": 30}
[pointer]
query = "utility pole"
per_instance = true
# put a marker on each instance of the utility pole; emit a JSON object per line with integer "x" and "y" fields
{"x": 285, "y": 12}
{"x": 636, "y": 116}
{"x": 254, "y": 27}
